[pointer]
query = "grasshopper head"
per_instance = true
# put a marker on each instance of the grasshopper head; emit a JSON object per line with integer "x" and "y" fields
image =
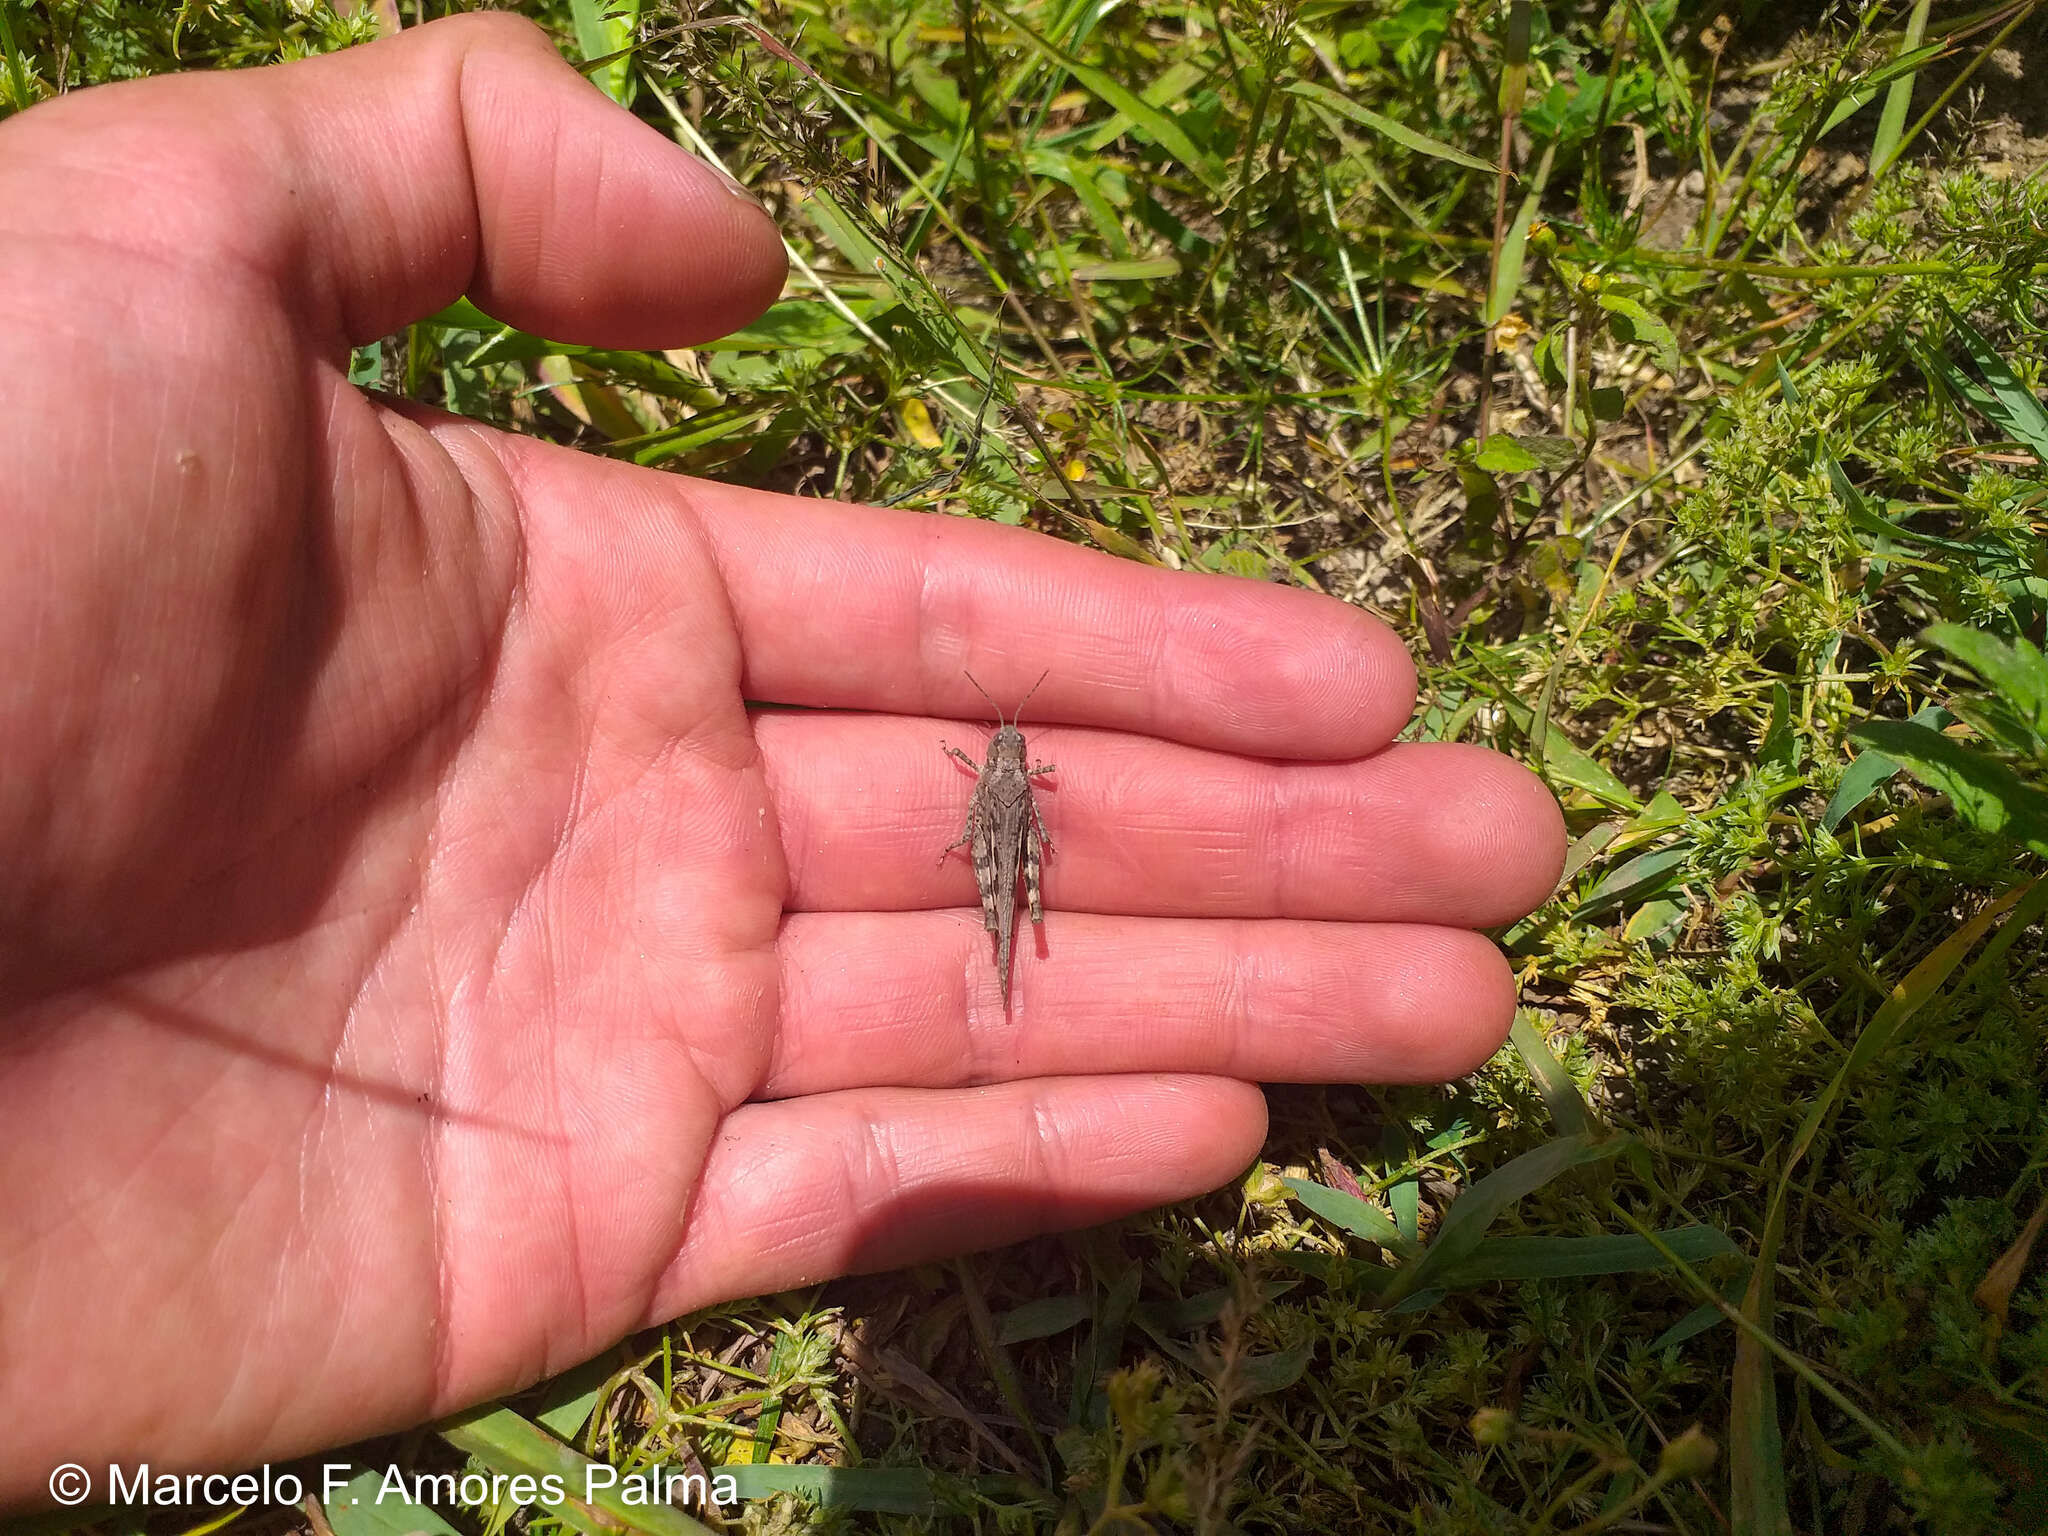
{"x": 1006, "y": 747}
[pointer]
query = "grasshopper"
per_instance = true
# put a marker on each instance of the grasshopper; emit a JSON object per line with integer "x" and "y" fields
{"x": 1004, "y": 830}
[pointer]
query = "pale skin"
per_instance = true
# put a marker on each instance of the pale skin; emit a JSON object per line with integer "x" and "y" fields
{"x": 418, "y": 966}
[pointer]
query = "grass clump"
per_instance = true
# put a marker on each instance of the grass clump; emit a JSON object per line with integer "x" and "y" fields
{"x": 1701, "y": 453}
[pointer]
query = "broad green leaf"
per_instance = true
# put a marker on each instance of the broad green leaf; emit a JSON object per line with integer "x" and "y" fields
{"x": 1400, "y": 133}
{"x": 1986, "y": 794}
{"x": 2016, "y": 672}
{"x": 1656, "y": 919}
{"x": 1404, "y": 1199}
{"x": 798, "y": 324}
{"x": 1781, "y": 747}
{"x": 1201, "y": 1309}
{"x": 1663, "y": 814}
{"x": 465, "y": 316}
{"x": 366, "y": 365}
{"x": 1501, "y": 454}
{"x": 1043, "y": 1318}
{"x": 936, "y": 90}
{"x": 1468, "y": 1217}
{"x": 1275, "y": 1372}
{"x": 881, "y": 1490}
{"x": 1871, "y": 769}
{"x": 1548, "y": 449}
{"x": 1510, "y": 453}
{"x": 1644, "y": 328}
{"x": 1550, "y": 358}
{"x": 1163, "y": 94}
{"x": 1100, "y": 188}
{"x": 1354, "y": 1215}
{"x": 1587, "y": 847}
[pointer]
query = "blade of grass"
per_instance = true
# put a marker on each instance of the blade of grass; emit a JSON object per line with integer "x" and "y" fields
{"x": 997, "y": 1358}
{"x": 1400, "y": 133}
{"x": 365, "y": 1506}
{"x": 2009, "y": 403}
{"x": 1403, "y": 1192}
{"x": 505, "y": 1442}
{"x": 1755, "y": 1451}
{"x": 1560, "y": 1258}
{"x": 1164, "y": 131}
{"x": 1756, "y": 1444}
{"x": 1563, "y": 763}
{"x": 1644, "y": 875}
{"x": 1356, "y": 1216}
{"x": 17, "y": 77}
{"x": 876, "y": 1490}
{"x": 1568, "y": 1111}
{"x": 1475, "y": 1210}
{"x": 1962, "y": 76}
{"x": 1891, "y": 127}
{"x": 1507, "y": 263}
{"x": 575, "y": 1394}
{"x": 605, "y": 30}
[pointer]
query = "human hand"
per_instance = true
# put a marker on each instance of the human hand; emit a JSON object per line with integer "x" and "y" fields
{"x": 418, "y": 965}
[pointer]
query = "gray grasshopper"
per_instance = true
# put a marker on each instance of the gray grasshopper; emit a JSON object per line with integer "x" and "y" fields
{"x": 1004, "y": 830}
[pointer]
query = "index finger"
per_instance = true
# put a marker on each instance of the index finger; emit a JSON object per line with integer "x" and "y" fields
{"x": 870, "y": 608}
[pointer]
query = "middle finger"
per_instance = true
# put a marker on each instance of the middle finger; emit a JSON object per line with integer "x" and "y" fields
{"x": 1422, "y": 832}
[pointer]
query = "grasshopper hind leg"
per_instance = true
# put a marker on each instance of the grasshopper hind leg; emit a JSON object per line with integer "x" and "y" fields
{"x": 1034, "y": 850}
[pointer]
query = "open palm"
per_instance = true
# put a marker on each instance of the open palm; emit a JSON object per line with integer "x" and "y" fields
{"x": 424, "y": 959}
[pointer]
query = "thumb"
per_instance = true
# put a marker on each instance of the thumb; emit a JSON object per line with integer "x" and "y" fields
{"x": 377, "y": 185}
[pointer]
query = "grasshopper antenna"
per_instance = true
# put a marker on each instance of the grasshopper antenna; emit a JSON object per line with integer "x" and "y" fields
{"x": 992, "y": 704}
{"x": 1027, "y": 697}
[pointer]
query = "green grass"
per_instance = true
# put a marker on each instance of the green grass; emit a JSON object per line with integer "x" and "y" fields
{"x": 1741, "y": 1236}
